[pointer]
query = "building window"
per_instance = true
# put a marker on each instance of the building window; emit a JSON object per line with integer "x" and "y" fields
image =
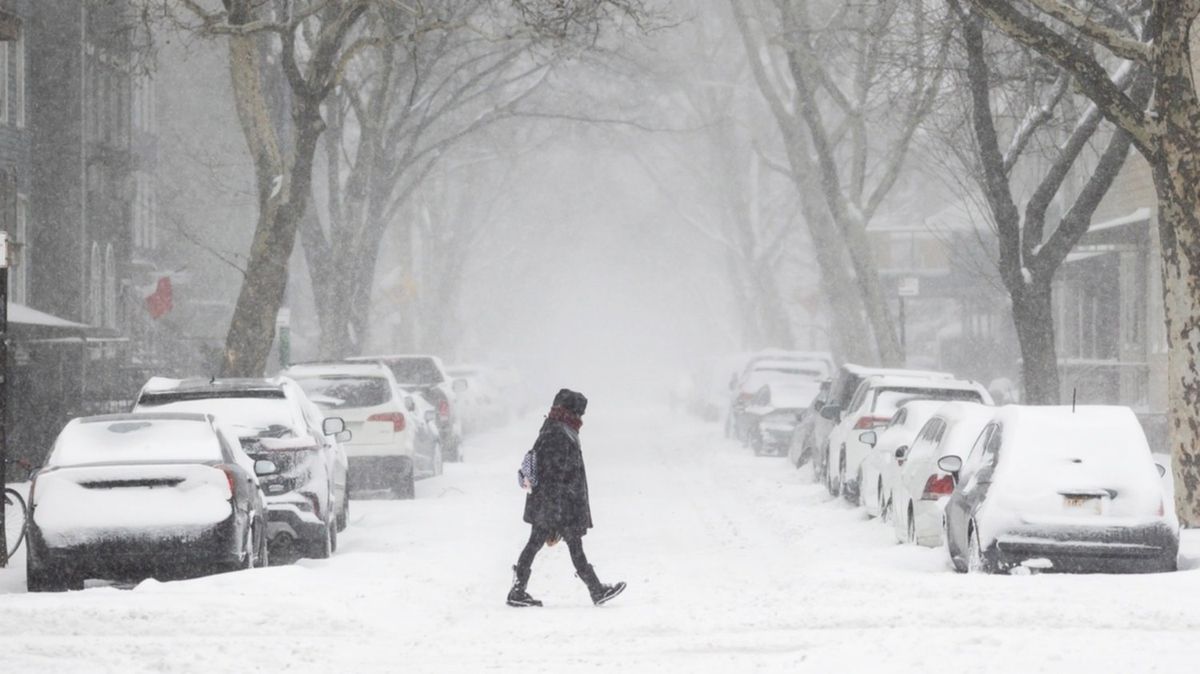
{"x": 18, "y": 279}
{"x": 110, "y": 288}
{"x": 19, "y": 79}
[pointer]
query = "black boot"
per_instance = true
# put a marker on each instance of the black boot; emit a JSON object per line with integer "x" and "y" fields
{"x": 600, "y": 592}
{"x": 517, "y": 596}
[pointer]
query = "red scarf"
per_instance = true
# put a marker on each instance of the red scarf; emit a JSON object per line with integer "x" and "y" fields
{"x": 565, "y": 416}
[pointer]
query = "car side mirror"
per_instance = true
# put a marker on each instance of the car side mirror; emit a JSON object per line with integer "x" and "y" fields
{"x": 831, "y": 412}
{"x": 902, "y": 452}
{"x": 950, "y": 464}
{"x": 344, "y": 436}
{"x": 1162, "y": 470}
{"x": 333, "y": 425}
{"x": 868, "y": 438}
{"x": 410, "y": 404}
{"x": 263, "y": 468}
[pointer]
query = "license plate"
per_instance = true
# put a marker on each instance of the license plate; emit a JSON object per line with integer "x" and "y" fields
{"x": 1082, "y": 505}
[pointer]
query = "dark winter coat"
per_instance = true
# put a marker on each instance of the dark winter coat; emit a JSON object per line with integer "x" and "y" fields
{"x": 559, "y": 502}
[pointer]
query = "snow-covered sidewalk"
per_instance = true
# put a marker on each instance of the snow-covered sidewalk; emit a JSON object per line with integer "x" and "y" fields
{"x": 734, "y": 563}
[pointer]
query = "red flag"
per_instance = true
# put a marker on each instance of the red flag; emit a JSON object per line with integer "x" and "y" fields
{"x": 160, "y": 302}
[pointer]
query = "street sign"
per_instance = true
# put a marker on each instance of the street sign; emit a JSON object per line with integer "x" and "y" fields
{"x": 910, "y": 286}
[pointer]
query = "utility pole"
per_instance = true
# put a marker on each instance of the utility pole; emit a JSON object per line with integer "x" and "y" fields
{"x": 3, "y": 388}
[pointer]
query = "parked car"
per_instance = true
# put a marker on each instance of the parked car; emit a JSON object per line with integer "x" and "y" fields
{"x": 888, "y": 453}
{"x": 427, "y": 375}
{"x": 308, "y": 499}
{"x": 764, "y": 373}
{"x": 387, "y": 431}
{"x": 801, "y": 449}
{"x": 480, "y": 403}
{"x": 821, "y": 362}
{"x": 1060, "y": 489}
{"x": 919, "y": 492}
{"x": 126, "y": 496}
{"x": 844, "y": 385}
{"x": 773, "y": 414}
{"x": 876, "y": 400}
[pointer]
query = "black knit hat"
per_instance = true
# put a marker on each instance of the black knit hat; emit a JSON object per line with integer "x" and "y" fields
{"x": 572, "y": 401}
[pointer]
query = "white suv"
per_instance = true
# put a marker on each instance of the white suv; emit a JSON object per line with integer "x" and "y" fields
{"x": 875, "y": 401}
{"x": 383, "y": 418}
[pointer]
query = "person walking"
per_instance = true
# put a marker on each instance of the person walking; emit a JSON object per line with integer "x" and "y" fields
{"x": 557, "y": 504}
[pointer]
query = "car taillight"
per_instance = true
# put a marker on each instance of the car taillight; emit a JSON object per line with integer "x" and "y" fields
{"x": 396, "y": 419}
{"x": 231, "y": 477}
{"x": 444, "y": 409}
{"x": 936, "y": 487}
{"x": 868, "y": 423}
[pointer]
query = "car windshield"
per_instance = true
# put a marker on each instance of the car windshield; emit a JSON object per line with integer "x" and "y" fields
{"x": 342, "y": 392}
{"x": 248, "y": 416}
{"x": 135, "y": 440}
{"x": 415, "y": 371}
{"x": 887, "y": 401}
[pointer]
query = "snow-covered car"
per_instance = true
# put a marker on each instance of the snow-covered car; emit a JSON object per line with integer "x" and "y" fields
{"x": 427, "y": 375}
{"x": 888, "y": 452}
{"x": 920, "y": 490}
{"x": 773, "y": 414}
{"x": 876, "y": 400}
{"x": 126, "y": 496}
{"x": 844, "y": 385}
{"x": 802, "y": 446}
{"x": 308, "y": 500}
{"x": 385, "y": 426}
{"x": 765, "y": 373}
{"x": 480, "y": 403}
{"x": 821, "y": 362}
{"x": 1060, "y": 489}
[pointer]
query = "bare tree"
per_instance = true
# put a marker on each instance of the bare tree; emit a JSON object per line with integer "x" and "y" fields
{"x": 875, "y": 68}
{"x": 1022, "y": 99}
{"x": 1168, "y": 136}
{"x": 390, "y": 122}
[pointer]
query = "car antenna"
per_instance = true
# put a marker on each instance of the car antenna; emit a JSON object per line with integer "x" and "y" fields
{"x": 1074, "y": 395}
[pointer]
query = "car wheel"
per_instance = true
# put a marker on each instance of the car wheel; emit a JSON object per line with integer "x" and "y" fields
{"x": 405, "y": 488}
{"x": 879, "y": 502}
{"x": 343, "y": 518}
{"x": 321, "y": 547}
{"x": 40, "y": 579}
{"x": 839, "y": 487}
{"x": 333, "y": 539}
{"x": 263, "y": 557}
{"x": 911, "y": 528}
{"x": 977, "y": 560}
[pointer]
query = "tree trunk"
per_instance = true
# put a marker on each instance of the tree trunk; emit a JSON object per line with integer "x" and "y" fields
{"x": 1179, "y": 232}
{"x": 282, "y": 202}
{"x": 1033, "y": 318}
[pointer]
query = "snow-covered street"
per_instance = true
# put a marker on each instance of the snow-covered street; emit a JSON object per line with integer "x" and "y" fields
{"x": 734, "y": 563}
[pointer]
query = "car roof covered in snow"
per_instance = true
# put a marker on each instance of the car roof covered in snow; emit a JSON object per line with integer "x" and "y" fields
{"x": 964, "y": 420}
{"x": 866, "y": 371}
{"x": 337, "y": 368}
{"x": 165, "y": 386}
{"x": 921, "y": 382}
{"x": 792, "y": 395}
{"x": 149, "y": 416}
{"x": 386, "y": 358}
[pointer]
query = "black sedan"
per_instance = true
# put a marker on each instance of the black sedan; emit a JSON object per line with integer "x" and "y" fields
{"x": 130, "y": 496}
